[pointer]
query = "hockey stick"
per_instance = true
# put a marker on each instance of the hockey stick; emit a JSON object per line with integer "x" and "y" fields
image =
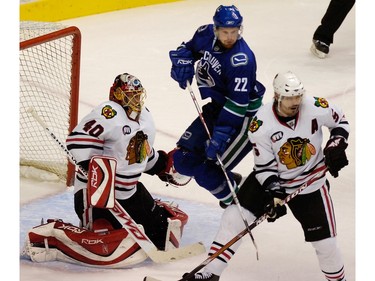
{"x": 233, "y": 192}
{"x": 125, "y": 219}
{"x": 319, "y": 174}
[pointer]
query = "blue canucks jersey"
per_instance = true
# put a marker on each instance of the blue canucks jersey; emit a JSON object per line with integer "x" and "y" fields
{"x": 227, "y": 76}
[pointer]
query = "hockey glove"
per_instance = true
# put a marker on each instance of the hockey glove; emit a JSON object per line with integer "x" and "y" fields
{"x": 219, "y": 141}
{"x": 335, "y": 156}
{"x": 182, "y": 66}
{"x": 273, "y": 208}
{"x": 169, "y": 173}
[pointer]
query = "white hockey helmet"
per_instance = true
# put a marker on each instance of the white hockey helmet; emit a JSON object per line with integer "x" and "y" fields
{"x": 287, "y": 84}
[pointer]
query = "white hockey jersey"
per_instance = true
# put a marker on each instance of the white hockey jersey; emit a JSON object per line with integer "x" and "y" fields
{"x": 108, "y": 131}
{"x": 292, "y": 150}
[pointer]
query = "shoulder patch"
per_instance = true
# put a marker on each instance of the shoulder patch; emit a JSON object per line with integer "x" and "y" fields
{"x": 321, "y": 102}
{"x": 108, "y": 112}
{"x": 255, "y": 124}
{"x": 201, "y": 28}
{"x": 239, "y": 59}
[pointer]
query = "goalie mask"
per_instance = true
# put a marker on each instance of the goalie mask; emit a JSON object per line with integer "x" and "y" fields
{"x": 127, "y": 90}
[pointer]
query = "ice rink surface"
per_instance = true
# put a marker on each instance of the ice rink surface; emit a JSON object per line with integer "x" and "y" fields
{"x": 138, "y": 41}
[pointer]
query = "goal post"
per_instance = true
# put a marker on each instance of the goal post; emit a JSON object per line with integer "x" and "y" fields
{"x": 49, "y": 84}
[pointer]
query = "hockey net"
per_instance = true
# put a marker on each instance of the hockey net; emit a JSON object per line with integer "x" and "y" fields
{"x": 49, "y": 84}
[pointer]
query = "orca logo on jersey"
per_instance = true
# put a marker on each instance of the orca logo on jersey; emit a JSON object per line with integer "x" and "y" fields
{"x": 239, "y": 59}
{"x": 108, "y": 112}
{"x": 321, "y": 102}
{"x": 255, "y": 124}
{"x": 203, "y": 76}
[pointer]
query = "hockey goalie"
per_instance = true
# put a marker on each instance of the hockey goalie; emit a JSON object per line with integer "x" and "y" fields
{"x": 120, "y": 222}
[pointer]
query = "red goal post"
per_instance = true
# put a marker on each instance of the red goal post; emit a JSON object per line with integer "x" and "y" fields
{"x": 49, "y": 83}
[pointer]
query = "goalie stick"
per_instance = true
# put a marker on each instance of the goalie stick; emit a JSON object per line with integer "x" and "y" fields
{"x": 233, "y": 192}
{"x": 319, "y": 174}
{"x": 125, "y": 219}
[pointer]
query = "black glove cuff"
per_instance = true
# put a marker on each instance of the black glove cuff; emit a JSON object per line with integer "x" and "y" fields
{"x": 160, "y": 164}
{"x": 270, "y": 180}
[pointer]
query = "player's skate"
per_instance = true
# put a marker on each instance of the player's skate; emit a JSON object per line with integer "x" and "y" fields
{"x": 319, "y": 49}
{"x": 203, "y": 276}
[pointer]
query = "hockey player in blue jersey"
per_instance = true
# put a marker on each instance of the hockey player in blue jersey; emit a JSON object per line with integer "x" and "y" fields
{"x": 226, "y": 74}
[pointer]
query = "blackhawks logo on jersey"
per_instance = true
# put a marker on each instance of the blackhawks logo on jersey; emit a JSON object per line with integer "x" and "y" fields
{"x": 255, "y": 124}
{"x": 296, "y": 152}
{"x": 321, "y": 102}
{"x": 138, "y": 148}
{"x": 108, "y": 112}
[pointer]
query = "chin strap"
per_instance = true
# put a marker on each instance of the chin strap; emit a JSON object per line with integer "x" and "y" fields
{"x": 132, "y": 114}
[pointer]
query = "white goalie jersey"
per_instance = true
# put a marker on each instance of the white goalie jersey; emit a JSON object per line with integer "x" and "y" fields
{"x": 292, "y": 150}
{"x": 108, "y": 131}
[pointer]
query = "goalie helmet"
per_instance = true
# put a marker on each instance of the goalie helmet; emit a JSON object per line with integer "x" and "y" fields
{"x": 227, "y": 16}
{"x": 287, "y": 84}
{"x": 127, "y": 90}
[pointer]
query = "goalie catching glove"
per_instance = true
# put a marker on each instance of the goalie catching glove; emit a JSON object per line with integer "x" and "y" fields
{"x": 166, "y": 172}
{"x": 335, "y": 156}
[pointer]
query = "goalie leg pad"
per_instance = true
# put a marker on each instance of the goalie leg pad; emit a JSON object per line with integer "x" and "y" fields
{"x": 176, "y": 223}
{"x": 57, "y": 240}
{"x": 174, "y": 234}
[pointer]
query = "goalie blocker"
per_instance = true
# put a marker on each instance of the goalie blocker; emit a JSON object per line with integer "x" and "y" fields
{"x": 101, "y": 182}
{"x": 103, "y": 246}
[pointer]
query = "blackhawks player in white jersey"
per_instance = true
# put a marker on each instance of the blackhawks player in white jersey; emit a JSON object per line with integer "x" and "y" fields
{"x": 121, "y": 223}
{"x": 287, "y": 140}
{"x": 123, "y": 128}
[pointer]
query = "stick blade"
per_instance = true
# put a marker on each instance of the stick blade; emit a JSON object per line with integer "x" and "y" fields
{"x": 177, "y": 254}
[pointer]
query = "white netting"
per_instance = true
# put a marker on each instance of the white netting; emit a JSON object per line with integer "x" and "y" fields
{"x": 46, "y": 86}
